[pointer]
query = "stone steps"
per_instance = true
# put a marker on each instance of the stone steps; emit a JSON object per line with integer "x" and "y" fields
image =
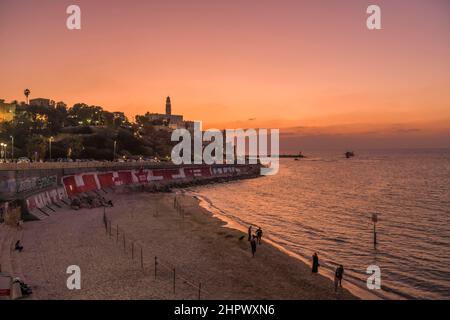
{"x": 41, "y": 215}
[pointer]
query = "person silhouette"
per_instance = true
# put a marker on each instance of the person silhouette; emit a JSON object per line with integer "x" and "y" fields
{"x": 18, "y": 246}
{"x": 259, "y": 234}
{"x": 338, "y": 275}
{"x": 253, "y": 245}
{"x": 315, "y": 263}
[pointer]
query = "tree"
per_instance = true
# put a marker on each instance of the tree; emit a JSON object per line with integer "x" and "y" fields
{"x": 37, "y": 144}
{"x": 27, "y": 92}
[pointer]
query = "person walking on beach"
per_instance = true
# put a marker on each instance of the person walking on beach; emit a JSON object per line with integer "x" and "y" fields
{"x": 250, "y": 233}
{"x": 253, "y": 245}
{"x": 338, "y": 275}
{"x": 259, "y": 234}
{"x": 315, "y": 263}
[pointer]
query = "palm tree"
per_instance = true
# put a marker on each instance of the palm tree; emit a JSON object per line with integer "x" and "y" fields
{"x": 27, "y": 93}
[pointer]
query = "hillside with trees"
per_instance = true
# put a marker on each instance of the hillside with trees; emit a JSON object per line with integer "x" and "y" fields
{"x": 82, "y": 132}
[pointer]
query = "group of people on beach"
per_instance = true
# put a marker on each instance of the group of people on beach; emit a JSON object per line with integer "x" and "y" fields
{"x": 254, "y": 239}
{"x": 338, "y": 274}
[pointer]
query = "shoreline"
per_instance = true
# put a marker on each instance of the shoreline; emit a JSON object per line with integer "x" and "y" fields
{"x": 356, "y": 289}
{"x": 196, "y": 244}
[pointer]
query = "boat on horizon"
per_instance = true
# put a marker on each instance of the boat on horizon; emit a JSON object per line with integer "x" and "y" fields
{"x": 349, "y": 154}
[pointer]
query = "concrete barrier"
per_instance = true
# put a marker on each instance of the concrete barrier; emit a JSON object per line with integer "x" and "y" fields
{"x": 38, "y": 185}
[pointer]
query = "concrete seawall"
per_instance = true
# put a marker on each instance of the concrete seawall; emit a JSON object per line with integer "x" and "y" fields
{"x": 37, "y": 187}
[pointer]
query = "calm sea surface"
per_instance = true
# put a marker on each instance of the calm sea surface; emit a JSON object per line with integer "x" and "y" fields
{"x": 324, "y": 203}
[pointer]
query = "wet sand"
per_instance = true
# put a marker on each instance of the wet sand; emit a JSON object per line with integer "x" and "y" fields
{"x": 195, "y": 243}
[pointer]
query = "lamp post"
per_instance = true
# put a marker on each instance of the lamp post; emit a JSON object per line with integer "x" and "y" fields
{"x": 50, "y": 147}
{"x": 114, "y": 152}
{"x": 12, "y": 148}
{"x": 2, "y": 149}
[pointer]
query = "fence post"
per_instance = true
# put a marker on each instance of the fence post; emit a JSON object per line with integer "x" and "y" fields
{"x": 132, "y": 250}
{"x": 117, "y": 238}
{"x": 173, "y": 280}
{"x": 124, "y": 245}
{"x": 105, "y": 221}
{"x": 142, "y": 260}
{"x": 199, "y": 290}
{"x": 156, "y": 264}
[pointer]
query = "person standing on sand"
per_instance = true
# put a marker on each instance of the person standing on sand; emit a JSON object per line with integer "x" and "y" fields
{"x": 259, "y": 234}
{"x": 253, "y": 245}
{"x": 250, "y": 233}
{"x": 315, "y": 263}
{"x": 18, "y": 246}
{"x": 338, "y": 275}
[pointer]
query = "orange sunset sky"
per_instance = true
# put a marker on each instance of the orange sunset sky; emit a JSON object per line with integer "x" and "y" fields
{"x": 311, "y": 68}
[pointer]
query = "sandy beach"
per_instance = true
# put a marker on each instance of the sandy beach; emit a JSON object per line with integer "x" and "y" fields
{"x": 197, "y": 245}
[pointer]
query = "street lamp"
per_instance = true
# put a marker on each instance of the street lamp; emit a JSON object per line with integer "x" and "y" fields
{"x": 12, "y": 148}
{"x": 50, "y": 147}
{"x": 114, "y": 154}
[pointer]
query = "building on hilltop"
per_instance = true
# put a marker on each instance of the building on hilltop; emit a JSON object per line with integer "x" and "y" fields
{"x": 169, "y": 120}
{"x": 42, "y": 102}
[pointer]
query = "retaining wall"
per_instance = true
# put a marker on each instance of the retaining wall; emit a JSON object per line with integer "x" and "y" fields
{"x": 40, "y": 188}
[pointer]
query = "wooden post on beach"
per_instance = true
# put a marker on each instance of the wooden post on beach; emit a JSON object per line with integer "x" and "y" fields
{"x": 375, "y": 235}
{"x": 174, "y": 280}
{"x": 199, "y": 290}
{"x": 124, "y": 245}
{"x": 117, "y": 238}
{"x": 156, "y": 264}
{"x": 142, "y": 260}
{"x": 132, "y": 250}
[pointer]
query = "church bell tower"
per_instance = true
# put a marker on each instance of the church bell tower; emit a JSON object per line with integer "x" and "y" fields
{"x": 168, "y": 107}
